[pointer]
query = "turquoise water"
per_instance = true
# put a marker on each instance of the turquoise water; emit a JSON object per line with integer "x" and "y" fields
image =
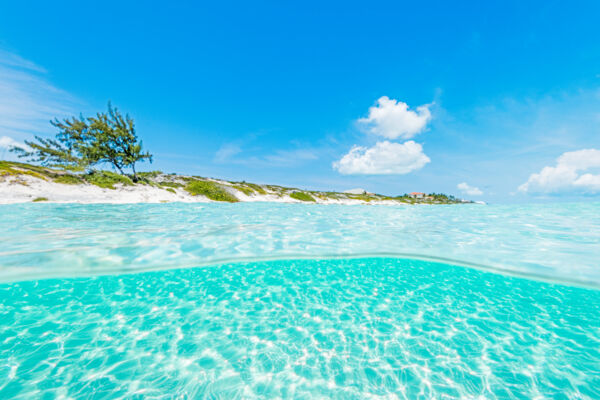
{"x": 554, "y": 241}
{"x": 302, "y": 326}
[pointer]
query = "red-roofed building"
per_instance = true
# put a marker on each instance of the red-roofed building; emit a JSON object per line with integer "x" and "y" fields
{"x": 417, "y": 195}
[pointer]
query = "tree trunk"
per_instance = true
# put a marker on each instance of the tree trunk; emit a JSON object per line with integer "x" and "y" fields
{"x": 119, "y": 168}
{"x": 135, "y": 179}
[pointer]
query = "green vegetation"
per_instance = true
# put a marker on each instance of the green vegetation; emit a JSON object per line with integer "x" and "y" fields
{"x": 69, "y": 179}
{"x": 302, "y": 196}
{"x": 15, "y": 169}
{"x": 198, "y": 185}
{"x": 244, "y": 189}
{"x": 211, "y": 190}
{"x": 106, "y": 179}
{"x": 362, "y": 197}
{"x": 82, "y": 143}
{"x": 171, "y": 184}
{"x": 257, "y": 188}
{"x": 151, "y": 174}
{"x": 37, "y": 199}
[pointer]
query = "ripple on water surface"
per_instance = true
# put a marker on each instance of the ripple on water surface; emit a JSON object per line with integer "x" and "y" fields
{"x": 304, "y": 329}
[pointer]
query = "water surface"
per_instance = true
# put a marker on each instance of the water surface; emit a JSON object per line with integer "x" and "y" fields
{"x": 346, "y": 329}
{"x": 555, "y": 241}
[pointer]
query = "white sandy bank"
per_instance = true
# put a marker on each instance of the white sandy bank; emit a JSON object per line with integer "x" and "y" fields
{"x": 25, "y": 189}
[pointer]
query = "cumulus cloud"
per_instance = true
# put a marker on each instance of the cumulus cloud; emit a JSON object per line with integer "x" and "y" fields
{"x": 383, "y": 158}
{"x": 392, "y": 119}
{"x": 469, "y": 190}
{"x": 566, "y": 174}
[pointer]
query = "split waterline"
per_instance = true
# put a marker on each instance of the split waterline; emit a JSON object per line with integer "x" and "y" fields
{"x": 119, "y": 301}
{"x": 557, "y": 242}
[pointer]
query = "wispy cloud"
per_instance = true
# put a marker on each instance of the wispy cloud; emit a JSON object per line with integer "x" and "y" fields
{"x": 469, "y": 190}
{"x": 235, "y": 153}
{"x": 28, "y": 101}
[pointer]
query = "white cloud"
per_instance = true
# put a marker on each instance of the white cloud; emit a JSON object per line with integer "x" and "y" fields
{"x": 392, "y": 119}
{"x": 227, "y": 151}
{"x": 27, "y": 100}
{"x": 234, "y": 153}
{"x": 469, "y": 190}
{"x": 565, "y": 175}
{"x": 7, "y": 142}
{"x": 383, "y": 158}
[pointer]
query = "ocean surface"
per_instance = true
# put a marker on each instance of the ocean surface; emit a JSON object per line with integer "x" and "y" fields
{"x": 258, "y": 300}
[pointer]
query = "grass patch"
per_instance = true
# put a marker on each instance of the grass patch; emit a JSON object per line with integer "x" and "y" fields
{"x": 244, "y": 189}
{"x": 256, "y": 188}
{"x": 68, "y": 180}
{"x": 170, "y": 184}
{"x": 302, "y": 196}
{"x": 362, "y": 197}
{"x": 151, "y": 174}
{"x": 40, "y": 199}
{"x": 107, "y": 179}
{"x": 171, "y": 190}
{"x": 15, "y": 169}
{"x": 211, "y": 190}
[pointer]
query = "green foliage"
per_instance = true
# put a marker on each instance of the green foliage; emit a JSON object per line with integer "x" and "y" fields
{"x": 106, "y": 179}
{"x": 115, "y": 141}
{"x": 150, "y": 174}
{"x": 68, "y": 180}
{"x": 38, "y": 199}
{"x": 211, "y": 190}
{"x": 302, "y": 196}
{"x": 171, "y": 190}
{"x": 13, "y": 168}
{"x": 362, "y": 197}
{"x": 65, "y": 150}
{"x": 256, "y": 188}
{"x": 84, "y": 142}
{"x": 244, "y": 189}
{"x": 171, "y": 184}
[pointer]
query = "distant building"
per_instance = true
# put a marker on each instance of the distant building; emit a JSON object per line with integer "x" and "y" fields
{"x": 356, "y": 191}
{"x": 416, "y": 195}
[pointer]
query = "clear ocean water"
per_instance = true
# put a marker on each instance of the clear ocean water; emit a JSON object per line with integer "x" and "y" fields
{"x": 299, "y": 301}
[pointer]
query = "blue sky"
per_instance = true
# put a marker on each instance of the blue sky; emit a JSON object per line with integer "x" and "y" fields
{"x": 392, "y": 97}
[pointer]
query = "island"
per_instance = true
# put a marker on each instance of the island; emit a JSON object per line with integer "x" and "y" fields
{"x": 25, "y": 182}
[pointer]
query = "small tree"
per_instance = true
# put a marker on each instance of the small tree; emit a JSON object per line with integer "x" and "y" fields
{"x": 115, "y": 141}
{"x": 84, "y": 142}
{"x": 65, "y": 151}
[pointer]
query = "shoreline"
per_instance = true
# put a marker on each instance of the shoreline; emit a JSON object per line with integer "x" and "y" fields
{"x": 27, "y": 189}
{"x": 26, "y": 183}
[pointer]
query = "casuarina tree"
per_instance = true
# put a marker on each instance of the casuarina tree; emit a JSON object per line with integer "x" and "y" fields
{"x": 85, "y": 142}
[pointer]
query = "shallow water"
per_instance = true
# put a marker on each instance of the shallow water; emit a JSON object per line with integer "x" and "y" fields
{"x": 320, "y": 327}
{"x": 554, "y": 241}
{"x": 366, "y": 328}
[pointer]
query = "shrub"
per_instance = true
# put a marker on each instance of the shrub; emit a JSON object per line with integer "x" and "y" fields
{"x": 302, "y": 196}
{"x": 211, "y": 190}
{"x": 40, "y": 199}
{"x": 106, "y": 179}
{"x": 257, "y": 188}
{"x": 151, "y": 174}
{"x": 170, "y": 184}
{"x": 68, "y": 180}
{"x": 244, "y": 189}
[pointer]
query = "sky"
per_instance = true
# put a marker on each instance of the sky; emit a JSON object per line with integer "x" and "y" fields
{"x": 492, "y": 101}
